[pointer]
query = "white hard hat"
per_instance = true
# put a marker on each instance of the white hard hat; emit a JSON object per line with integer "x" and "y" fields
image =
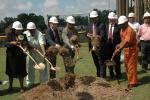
{"x": 53, "y": 20}
{"x": 111, "y": 15}
{"x": 147, "y": 14}
{"x": 93, "y": 14}
{"x": 131, "y": 14}
{"x": 70, "y": 19}
{"x": 31, "y": 25}
{"x": 122, "y": 19}
{"x": 17, "y": 25}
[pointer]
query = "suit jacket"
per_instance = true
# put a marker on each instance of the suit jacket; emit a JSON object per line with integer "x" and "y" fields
{"x": 100, "y": 30}
{"x": 50, "y": 38}
{"x": 66, "y": 35}
{"x": 110, "y": 45}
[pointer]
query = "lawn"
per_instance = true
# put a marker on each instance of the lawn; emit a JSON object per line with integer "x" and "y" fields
{"x": 84, "y": 67}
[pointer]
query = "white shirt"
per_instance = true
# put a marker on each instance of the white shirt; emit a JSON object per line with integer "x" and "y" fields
{"x": 136, "y": 27}
{"x": 36, "y": 40}
{"x": 112, "y": 29}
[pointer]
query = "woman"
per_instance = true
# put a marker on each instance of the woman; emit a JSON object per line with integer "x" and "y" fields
{"x": 15, "y": 57}
{"x": 36, "y": 42}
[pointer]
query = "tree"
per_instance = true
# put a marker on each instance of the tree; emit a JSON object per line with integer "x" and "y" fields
{"x": 5, "y": 23}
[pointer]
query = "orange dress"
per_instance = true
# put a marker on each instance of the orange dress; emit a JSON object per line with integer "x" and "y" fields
{"x": 130, "y": 54}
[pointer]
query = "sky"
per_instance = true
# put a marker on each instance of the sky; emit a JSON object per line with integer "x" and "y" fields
{"x": 11, "y": 8}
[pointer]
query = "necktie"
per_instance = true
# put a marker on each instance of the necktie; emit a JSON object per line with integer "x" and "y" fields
{"x": 110, "y": 36}
{"x": 94, "y": 32}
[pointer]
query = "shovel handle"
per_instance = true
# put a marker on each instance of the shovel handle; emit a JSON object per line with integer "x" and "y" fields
{"x": 45, "y": 59}
{"x": 29, "y": 56}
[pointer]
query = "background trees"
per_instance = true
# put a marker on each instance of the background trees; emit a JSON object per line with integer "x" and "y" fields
{"x": 24, "y": 18}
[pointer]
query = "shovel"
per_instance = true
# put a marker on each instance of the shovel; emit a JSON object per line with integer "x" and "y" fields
{"x": 39, "y": 66}
{"x": 52, "y": 68}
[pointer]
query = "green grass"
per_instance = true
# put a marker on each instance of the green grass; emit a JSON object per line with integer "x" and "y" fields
{"x": 84, "y": 67}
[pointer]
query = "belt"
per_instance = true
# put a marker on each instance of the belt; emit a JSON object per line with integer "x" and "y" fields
{"x": 145, "y": 40}
{"x": 130, "y": 46}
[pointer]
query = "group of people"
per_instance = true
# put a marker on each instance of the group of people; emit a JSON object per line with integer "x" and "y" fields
{"x": 20, "y": 65}
{"x": 120, "y": 33}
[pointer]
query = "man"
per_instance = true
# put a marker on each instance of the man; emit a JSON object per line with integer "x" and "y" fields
{"x": 36, "y": 41}
{"x": 52, "y": 39}
{"x": 113, "y": 38}
{"x": 97, "y": 28}
{"x": 144, "y": 35}
{"x": 133, "y": 24}
{"x": 129, "y": 44}
{"x": 67, "y": 33}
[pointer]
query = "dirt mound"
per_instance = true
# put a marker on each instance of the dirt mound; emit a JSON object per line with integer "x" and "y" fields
{"x": 84, "y": 88}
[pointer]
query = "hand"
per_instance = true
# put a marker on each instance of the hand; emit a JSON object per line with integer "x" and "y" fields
{"x": 72, "y": 47}
{"x": 13, "y": 42}
{"x": 118, "y": 46}
{"x": 25, "y": 49}
{"x": 93, "y": 48}
{"x": 89, "y": 35}
{"x": 57, "y": 46}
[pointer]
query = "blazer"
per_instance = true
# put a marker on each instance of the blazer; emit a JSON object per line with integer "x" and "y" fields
{"x": 110, "y": 46}
{"x": 50, "y": 38}
{"x": 100, "y": 30}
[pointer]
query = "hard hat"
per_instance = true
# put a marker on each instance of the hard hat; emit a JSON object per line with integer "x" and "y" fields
{"x": 122, "y": 19}
{"x": 93, "y": 14}
{"x": 70, "y": 19}
{"x": 53, "y": 20}
{"x": 17, "y": 25}
{"x": 147, "y": 14}
{"x": 31, "y": 25}
{"x": 131, "y": 14}
{"x": 111, "y": 15}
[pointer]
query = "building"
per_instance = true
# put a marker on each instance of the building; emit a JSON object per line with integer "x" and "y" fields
{"x": 123, "y": 7}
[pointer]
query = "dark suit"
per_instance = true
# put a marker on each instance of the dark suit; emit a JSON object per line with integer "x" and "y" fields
{"x": 99, "y": 58}
{"x": 110, "y": 48}
{"x": 52, "y": 38}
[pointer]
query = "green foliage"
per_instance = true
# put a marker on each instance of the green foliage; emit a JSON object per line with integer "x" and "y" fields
{"x": 5, "y": 23}
{"x": 24, "y": 19}
{"x": 38, "y": 20}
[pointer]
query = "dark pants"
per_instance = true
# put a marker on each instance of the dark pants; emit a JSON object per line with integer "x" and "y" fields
{"x": 117, "y": 67}
{"x": 145, "y": 53}
{"x": 69, "y": 61}
{"x": 52, "y": 73}
{"x": 100, "y": 65}
{"x": 109, "y": 49}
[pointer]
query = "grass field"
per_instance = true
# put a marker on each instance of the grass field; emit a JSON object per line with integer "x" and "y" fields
{"x": 84, "y": 67}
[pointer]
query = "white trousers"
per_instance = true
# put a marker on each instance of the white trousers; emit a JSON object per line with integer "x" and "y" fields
{"x": 31, "y": 70}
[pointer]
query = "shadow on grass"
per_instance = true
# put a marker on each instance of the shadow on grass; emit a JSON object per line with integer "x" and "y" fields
{"x": 6, "y": 92}
{"x": 124, "y": 76}
{"x": 121, "y": 79}
{"x": 144, "y": 80}
{"x": 15, "y": 90}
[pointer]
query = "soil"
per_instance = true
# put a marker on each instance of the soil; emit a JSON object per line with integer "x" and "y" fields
{"x": 83, "y": 88}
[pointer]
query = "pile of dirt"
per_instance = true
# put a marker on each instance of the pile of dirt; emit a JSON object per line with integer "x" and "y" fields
{"x": 69, "y": 88}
